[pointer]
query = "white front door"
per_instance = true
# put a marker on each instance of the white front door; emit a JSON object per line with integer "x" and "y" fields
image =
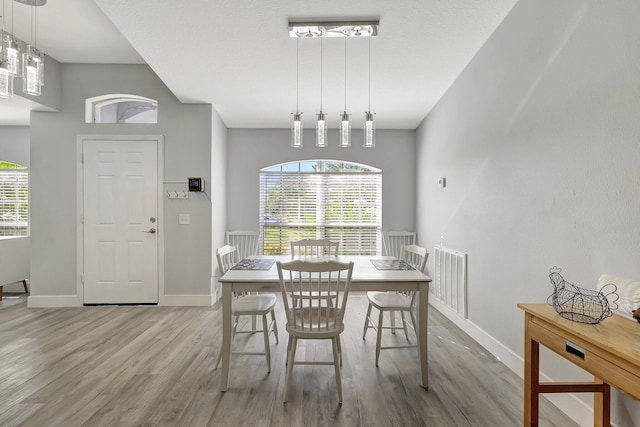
{"x": 120, "y": 206}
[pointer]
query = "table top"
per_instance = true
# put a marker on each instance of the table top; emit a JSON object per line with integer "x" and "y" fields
{"x": 616, "y": 334}
{"x": 363, "y": 271}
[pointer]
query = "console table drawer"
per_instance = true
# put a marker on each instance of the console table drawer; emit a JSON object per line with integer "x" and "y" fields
{"x": 591, "y": 362}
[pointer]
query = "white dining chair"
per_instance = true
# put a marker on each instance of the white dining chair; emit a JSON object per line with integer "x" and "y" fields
{"x": 393, "y": 241}
{"x": 315, "y": 320}
{"x": 245, "y": 240}
{"x": 314, "y": 247}
{"x": 401, "y": 301}
{"x": 247, "y": 304}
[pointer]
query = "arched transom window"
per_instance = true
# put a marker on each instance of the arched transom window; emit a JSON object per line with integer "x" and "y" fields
{"x": 121, "y": 108}
{"x": 321, "y": 199}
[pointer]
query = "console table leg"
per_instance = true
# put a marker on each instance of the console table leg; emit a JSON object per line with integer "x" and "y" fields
{"x": 531, "y": 376}
{"x": 602, "y": 406}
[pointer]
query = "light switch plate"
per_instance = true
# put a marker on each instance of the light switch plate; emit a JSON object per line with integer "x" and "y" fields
{"x": 184, "y": 219}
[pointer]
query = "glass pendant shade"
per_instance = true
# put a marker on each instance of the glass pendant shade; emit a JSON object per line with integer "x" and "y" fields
{"x": 296, "y": 131}
{"x": 369, "y": 131}
{"x": 345, "y": 131}
{"x": 321, "y": 130}
{"x": 6, "y": 82}
{"x": 32, "y": 71}
{"x": 11, "y": 54}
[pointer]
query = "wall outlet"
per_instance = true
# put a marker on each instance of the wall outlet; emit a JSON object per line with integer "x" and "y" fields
{"x": 184, "y": 219}
{"x": 442, "y": 182}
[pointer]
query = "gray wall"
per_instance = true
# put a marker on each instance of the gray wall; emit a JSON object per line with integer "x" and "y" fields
{"x": 14, "y": 144}
{"x": 187, "y": 131}
{"x": 218, "y": 188}
{"x": 14, "y": 252}
{"x": 253, "y": 149}
{"x": 539, "y": 139}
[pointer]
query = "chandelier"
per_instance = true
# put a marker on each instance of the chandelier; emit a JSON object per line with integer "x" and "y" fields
{"x": 344, "y": 29}
{"x": 19, "y": 58}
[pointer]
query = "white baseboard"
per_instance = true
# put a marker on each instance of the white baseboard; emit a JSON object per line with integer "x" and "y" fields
{"x": 189, "y": 300}
{"x": 568, "y": 403}
{"x": 51, "y": 301}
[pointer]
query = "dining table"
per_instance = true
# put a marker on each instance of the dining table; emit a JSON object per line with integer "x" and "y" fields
{"x": 248, "y": 276}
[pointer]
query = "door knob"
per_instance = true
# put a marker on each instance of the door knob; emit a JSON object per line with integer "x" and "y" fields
{"x": 151, "y": 231}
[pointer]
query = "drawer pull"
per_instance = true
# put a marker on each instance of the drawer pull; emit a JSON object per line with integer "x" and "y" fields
{"x": 575, "y": 350}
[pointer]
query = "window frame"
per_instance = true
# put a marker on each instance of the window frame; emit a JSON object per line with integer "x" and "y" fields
{"x": 18, "y": 175}
{"x": 321, "y": 211}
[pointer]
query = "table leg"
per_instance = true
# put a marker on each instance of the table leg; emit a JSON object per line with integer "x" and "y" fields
{"x": 423, "y": 316}
{"x": 531, "y": 376}
{"x": 227, "y": 295}
{"x": 602, "y": 406}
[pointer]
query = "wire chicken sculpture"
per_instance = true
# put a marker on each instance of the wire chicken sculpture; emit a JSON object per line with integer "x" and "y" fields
{"x": 579, "y": 304}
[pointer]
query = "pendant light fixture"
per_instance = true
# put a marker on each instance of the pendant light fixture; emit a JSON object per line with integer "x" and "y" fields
{"x": 296, "y": 126}
{"x": 6, "y": 78}
{"x": 18, "y": 58}
{"x": 10, "y": 49}
{"x": 345, "y": 126}
{"x": 32, "y": 63}
{"x": 321, "y": 124}
{"x": 369, "y": 129}
{"x": 346, "y": 29}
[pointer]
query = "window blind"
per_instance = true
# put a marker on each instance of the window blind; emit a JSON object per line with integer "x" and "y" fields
{"x": 340, "y": 206}
{"x": 14, "y": 202}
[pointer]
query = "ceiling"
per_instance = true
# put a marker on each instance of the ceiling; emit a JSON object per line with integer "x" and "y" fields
{"x": 237, "y": 55}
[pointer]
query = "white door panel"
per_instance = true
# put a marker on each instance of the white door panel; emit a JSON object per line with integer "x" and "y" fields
{"x": 120, "y": 208}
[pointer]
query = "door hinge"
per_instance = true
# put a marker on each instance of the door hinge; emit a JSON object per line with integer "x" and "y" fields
{"x": 82, "y": 279}
{"x": 82, "y": 158}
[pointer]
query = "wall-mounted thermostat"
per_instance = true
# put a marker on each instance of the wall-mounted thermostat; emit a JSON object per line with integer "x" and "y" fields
{"x": 442, "y": 182}
{"x": 196, "y": 184}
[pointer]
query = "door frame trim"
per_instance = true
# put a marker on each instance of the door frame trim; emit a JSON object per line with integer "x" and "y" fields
{"x": 159, "y": 139}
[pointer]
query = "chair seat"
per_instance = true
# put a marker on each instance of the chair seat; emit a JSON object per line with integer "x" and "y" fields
{"x": 323, "y": 316}
{"x": 389, "y": 300}
{"x": 254, "y": 304}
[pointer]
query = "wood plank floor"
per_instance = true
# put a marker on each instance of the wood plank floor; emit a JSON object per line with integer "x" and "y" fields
{"x": 153, "y": 366}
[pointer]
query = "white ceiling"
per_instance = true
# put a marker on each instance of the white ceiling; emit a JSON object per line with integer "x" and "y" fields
{"x": 236, "y": 54}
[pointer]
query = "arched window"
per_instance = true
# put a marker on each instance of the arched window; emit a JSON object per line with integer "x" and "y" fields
{"x": 121, "y": 108}
{"x": 321, "y": 199}
{"x": 14, "y": 199}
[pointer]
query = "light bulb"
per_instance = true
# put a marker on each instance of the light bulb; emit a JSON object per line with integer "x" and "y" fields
{"x": 321, "y": 130}
{"x": 345, "y": 131}
{"x": 369, "y": 131}
{"x": 296, "y": 131}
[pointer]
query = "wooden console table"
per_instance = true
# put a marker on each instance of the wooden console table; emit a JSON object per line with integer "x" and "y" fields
{"x": 609, "y": 350}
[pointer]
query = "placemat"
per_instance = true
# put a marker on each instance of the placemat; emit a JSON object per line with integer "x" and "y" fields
{"x": 254, "y": 264}
{"x": 391, "y": 264}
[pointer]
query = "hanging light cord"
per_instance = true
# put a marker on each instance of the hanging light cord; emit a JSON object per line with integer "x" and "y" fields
{"x": 321, "y": 74}
{"x": 369, "y": 73}
{"x": 33, "y": 26}
{"x": 297, "y": 73}
{"x": 345, "y": 74}
{"x": 32, "y": 11}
